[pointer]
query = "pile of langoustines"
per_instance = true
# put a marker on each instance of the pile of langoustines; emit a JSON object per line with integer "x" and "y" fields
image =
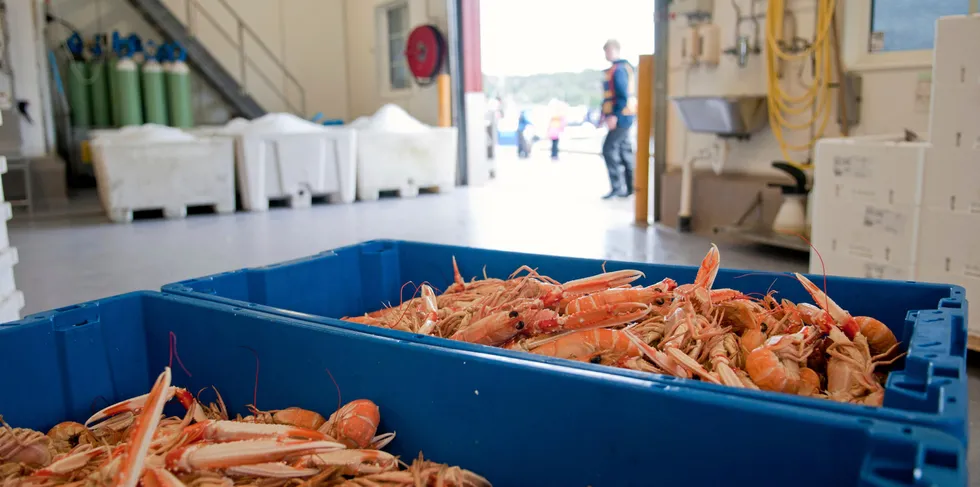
{"x": 721, "y": 336}
{"x": 132, "y": 442}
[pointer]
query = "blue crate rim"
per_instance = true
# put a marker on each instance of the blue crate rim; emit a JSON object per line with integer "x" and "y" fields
{"x": 904, "y": 449}
{"x": 517, "y": 355}
{"x": 588, "y": 372}
{"x": 608, "y": 262}
{"x": 955, "y": 294}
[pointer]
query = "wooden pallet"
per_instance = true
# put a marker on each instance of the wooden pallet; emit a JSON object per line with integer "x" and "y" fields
{"x": 403, "y": 192}
{"x": 125, "y": 215}
{"x": 304, "y": 200}
{"x": 973, "y": 342}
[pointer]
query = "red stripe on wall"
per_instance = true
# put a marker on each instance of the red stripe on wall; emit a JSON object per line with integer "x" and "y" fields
{"x": 470, "y": 26}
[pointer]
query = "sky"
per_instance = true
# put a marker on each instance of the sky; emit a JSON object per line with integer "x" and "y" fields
{"x": 521, "y": 37}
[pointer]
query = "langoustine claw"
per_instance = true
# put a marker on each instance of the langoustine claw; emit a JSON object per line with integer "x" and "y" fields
{"x": 134, "y": 456}
{"x": 204, "y": 456}
{"x": 880, "y": 337}
{"x": 136, "y": 404}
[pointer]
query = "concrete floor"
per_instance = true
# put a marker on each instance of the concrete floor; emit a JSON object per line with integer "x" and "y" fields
{"x": 533, "y": 206}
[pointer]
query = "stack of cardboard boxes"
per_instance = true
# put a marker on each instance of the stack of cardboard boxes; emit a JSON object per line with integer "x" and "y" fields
{"x": 886, "y": 207}
{"x": 11, "y": 300}
{"x": 949, "y": 231}
{"x": 866, "y": 206}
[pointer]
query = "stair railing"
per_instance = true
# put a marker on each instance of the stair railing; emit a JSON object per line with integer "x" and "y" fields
{"x": 244, "y": 60}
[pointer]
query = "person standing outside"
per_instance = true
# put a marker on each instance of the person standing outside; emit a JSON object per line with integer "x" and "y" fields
{"x": 523, "y": 135}
{"x": 555, "y": 127}
{"x": 618, "y": 112}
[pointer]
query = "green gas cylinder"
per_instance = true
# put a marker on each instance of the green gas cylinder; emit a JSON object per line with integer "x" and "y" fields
{"x": 78, "y": 97}
{"x": 179, "y": 93}
{"x": 128, "y": 93}
{"x": 99, "y": 92}
{"x": 78, "y": 94}
{"x": 117, "y": 49}
{"x": 154, "y": 92}
{"x": 98, "y": 86}
{"x": 113, "y": 84}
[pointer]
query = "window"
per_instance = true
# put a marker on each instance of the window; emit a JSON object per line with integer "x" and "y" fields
{"x": 396, "y": 33}
{"x": 888, "y": 34}
{"x": 909, "y": 25}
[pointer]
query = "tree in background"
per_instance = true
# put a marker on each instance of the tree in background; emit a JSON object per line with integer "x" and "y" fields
{"x": 583, "y": 88}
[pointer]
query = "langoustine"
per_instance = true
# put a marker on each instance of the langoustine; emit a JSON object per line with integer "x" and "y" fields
{"x": 154, "y": 450}
{"x": 690, "y": 330}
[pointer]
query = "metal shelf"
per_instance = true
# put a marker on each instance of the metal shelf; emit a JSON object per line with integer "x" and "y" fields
{"x": 762, "y": 235}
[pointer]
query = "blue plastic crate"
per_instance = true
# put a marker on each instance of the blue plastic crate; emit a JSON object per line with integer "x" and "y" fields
{"x": 929, "y": 319}
{"x": 516, "y": 422}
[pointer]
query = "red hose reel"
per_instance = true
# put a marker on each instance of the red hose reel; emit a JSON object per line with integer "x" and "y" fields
{"x": 425, "y": 51}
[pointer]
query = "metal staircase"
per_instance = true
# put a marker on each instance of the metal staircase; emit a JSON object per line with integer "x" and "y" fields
{"x": 234, "y": 91}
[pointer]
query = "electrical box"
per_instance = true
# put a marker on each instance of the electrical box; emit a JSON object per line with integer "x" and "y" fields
{"x": 709, "y": 44}
{"x": 677, "y": 57}
{"x": 690, "y": 46}
{"x": 693, "y": 8}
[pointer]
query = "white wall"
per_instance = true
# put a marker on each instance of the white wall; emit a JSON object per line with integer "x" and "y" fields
{"x": 366, "y": 57}
{"x": 306, "y": 35}
{"x": 888, "y": 96}
{"x": 331, "y": 46}
{"x": 315, "y": 53}
{"x": 29, "y": 66}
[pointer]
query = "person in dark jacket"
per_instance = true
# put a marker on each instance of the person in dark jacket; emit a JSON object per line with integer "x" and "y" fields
{"x": 618, "y": 112}
{"x": 523, "y": 137}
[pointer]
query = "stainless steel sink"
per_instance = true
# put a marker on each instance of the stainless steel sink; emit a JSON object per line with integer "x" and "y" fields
{"x": 725, "y": 116}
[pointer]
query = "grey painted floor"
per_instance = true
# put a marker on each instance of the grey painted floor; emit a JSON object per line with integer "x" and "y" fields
{"x": 532, "y": 206}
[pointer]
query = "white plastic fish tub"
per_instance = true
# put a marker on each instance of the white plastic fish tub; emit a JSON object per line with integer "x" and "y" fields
{"x": 296, "y": 166}
{"x": 405, "y": 161}
{"x": 169, "y": 175}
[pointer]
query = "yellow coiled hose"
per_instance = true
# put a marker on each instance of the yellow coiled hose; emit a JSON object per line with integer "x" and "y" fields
{"x": 782, "y": 105}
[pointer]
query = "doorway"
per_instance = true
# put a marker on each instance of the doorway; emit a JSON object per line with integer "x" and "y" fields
{"x": 543, "y": 80}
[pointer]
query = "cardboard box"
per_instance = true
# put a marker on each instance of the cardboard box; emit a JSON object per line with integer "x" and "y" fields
{"x": 954, "y": 34}
{"x": 954, "y": 120}
{"x": 949, "y": 244}
{"x": 838, "y": 264}
{"x": 879, "y": 234}
{"x": 881, "y": 170}
{"x": 966, "y": 181}
{"x": 949, "y": 180}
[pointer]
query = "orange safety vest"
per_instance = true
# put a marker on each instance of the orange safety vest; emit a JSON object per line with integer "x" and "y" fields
{"x": 610, "y": 95}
